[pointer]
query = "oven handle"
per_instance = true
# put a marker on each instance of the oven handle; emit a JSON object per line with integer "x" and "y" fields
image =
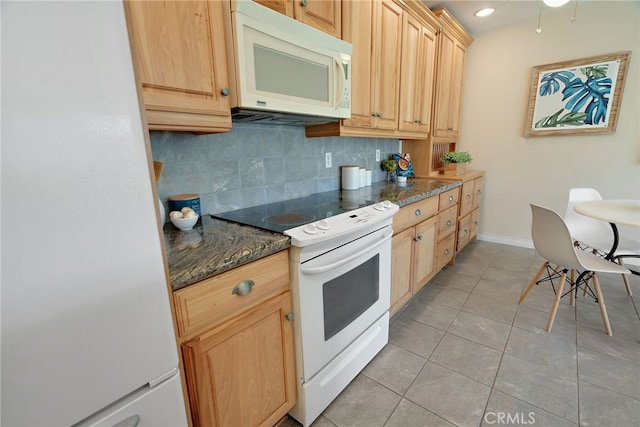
{"x": 324, "y": 268}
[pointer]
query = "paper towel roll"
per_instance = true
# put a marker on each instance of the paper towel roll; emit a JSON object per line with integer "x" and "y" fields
{"x": 350, "y": 177}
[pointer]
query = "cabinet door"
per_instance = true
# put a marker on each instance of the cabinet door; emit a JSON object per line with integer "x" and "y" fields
{"x": 417, "y": 73}
{"x": 241, "y": 373}
{"x": 450, "y": 78}
{"x": 402, "y": 243}
{"x": 387, "y": 33}
{"x": 325, "y": 15}
{"x": 356, "y": 29}
{"x": 464, "y": 225}
{"x": 179, "y": 54}
{"x": 424, "y": 252}
{"x": 475, "y": 222}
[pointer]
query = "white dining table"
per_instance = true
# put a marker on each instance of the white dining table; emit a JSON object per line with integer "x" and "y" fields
{"x": 613, "y": 211}
{"x": 625, "y": 212}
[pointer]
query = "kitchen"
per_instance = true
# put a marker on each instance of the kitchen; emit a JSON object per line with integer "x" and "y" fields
{"x": 184, "y": 153}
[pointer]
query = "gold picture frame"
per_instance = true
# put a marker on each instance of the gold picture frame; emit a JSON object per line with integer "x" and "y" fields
{"x": 577, "y": 97}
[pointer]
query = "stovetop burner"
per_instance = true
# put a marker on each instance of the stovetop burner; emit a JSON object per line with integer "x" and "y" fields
{"x": 281, "y": 216}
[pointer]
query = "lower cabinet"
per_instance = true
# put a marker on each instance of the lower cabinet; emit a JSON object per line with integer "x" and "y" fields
{"x": 413, "y": 250}
{"x": 469, "y": 214}
{"x": 236, "y": 335}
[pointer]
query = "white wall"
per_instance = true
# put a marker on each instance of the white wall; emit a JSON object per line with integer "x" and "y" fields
{"x": 541, "y": 170}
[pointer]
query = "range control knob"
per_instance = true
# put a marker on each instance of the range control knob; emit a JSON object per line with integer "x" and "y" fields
{"x": 378, "y": 206}
{"x": 323, "y": 224}
{"x": 387, "y": 204}
{"x": 310, "y": 229}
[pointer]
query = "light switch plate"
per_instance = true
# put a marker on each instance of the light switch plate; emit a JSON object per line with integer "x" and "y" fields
{"x": 377, "y": 155}
{"x": 327, "y": 160}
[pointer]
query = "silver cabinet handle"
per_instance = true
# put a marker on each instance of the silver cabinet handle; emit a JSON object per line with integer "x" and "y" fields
{"x": 479, "y": 191}
{"x": 418, "y": 212}
{"x": 446, "y": 251}
{"x": 289, "y": 316}
{"x": 303, "y": 3}
{"x": 465, "y": 232}
{"x": 449, "y": 223}
{"x": 468, "y": 196}
{"x": 225, "y": 91}
{"x": 418, "y": 238}
{"x": 243, "y": 288}
{"x": 451, "y": 198}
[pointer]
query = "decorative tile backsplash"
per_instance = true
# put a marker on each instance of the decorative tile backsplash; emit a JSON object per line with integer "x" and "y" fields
{"x": 256, "y": 164}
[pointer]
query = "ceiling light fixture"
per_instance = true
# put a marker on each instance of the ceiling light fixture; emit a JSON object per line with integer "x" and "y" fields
{"x": 485, "y": 12}
{"x": 555, "y": 3}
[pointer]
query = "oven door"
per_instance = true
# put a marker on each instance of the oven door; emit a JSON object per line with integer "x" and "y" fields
{"x": 340, "y": 294}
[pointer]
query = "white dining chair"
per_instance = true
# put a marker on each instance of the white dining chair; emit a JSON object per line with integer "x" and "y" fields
{"x": 597, "y": 236}
{"x": 552, "y": 240}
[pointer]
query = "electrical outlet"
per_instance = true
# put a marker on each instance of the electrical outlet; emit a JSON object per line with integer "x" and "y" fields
{"x": 377, "y": 155}
{"x": 327, "y": 160}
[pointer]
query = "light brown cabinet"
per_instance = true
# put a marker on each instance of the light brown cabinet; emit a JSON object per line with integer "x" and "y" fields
{"x": 469, "y": 214}
{"x": 417, "y": 74}
{"x": 325, "y": 15}
{"x": 237, "y": 347}
{"x": 178, "y": 51}
{"x": 393, "y": 63}
{"x": 413, "y": 250}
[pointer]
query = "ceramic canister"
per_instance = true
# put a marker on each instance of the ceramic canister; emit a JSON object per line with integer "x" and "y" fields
{"x": 179, "y": 201}
{"x": 350, "y": 177}
{"x": 363, "y": 177}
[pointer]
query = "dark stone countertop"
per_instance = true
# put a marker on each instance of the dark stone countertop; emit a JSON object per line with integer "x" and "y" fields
{"x": 214, "y": 246}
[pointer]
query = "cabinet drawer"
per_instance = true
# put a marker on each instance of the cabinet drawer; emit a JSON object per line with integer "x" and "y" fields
{"x": 414, "y": 213}
{"x": 449, "y": 198}
{"x": 447, "y": 222}
{"x": 212, "y": 300}
{"x": 445, "y": 250}
{"x": 475, "y": 221}
{"x": 478, "y": 185}
{"x": 466, "y": 198}
{"x": 463, "y": 231}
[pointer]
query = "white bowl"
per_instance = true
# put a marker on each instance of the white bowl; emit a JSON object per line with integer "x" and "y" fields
{"x": 185, "y": 223}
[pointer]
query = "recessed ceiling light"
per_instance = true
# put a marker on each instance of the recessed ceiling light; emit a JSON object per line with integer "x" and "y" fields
{"x": 485, "y": 12}
{"x": 555, "y": 3}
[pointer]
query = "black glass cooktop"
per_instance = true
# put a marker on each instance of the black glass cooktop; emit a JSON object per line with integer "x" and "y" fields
{"x": 281, "y": 216}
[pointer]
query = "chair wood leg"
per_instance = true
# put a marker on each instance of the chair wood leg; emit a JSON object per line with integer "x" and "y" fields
{"x": 533, "y": 282}
{"x": 624, "y": 278}
{"x": 603, "y": 308}
{"x": 574, "y": 290}
{"x": 556, "y": 301}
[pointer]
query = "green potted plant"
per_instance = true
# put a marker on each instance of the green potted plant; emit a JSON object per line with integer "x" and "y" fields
{"x": 455, "y": 162}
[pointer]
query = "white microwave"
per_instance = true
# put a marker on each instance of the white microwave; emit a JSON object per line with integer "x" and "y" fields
{"x": 284, "y": 71}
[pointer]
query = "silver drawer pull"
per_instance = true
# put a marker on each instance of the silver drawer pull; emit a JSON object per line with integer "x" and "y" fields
{"x": 418, "y": 212}
{"x": 418, "y": 238}
{"x": 468, "y": 196}
{"x": 289, "y": 316}
{"x": 449, "y": 223}
{"x": 446, "y": 251}
{"x": 451, "y": 198}
{"x": 466, "y": 232}
{"x": 243, "y": 288}
{"x": 479, "y": 191}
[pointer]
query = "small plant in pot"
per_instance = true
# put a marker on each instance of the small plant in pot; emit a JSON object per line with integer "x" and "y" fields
{"x": 455, "y": 162}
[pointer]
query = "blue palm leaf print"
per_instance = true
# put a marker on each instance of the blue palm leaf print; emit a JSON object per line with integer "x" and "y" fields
{"x": 591, "y": 93}
{"x": 550, "y": 82}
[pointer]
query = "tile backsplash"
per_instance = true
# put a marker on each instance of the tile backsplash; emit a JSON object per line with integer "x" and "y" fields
{"x": 256, "y": 164}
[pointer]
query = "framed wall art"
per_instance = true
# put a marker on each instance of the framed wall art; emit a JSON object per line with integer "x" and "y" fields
{"x": 576, "y": 97}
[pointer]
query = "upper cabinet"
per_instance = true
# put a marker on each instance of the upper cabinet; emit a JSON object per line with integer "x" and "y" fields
{"x": 392, "y": 67}
{"x": 452, "y": 50}
{"x": 417, "y": 74}
{"x": 178, "y": 51}
{"x": 324, "y": 15}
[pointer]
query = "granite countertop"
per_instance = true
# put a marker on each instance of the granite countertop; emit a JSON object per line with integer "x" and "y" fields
{"x": 214, "y": 246}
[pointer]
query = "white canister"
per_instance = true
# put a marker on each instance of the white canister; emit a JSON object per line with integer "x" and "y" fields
{"x": 350, "y": 177}
{"x": 369, "y": 177}
{"x": 363, "y": 177}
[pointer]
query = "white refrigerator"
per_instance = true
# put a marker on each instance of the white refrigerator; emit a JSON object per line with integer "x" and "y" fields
{"x": 87, "y": 335}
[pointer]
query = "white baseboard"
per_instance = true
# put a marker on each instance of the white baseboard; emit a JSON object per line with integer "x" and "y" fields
{"x": 523, "y": 243}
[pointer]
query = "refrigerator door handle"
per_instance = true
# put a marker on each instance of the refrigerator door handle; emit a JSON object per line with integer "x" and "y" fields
{"x": 131, "y": 421}
{"x": 154, "y": 382}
